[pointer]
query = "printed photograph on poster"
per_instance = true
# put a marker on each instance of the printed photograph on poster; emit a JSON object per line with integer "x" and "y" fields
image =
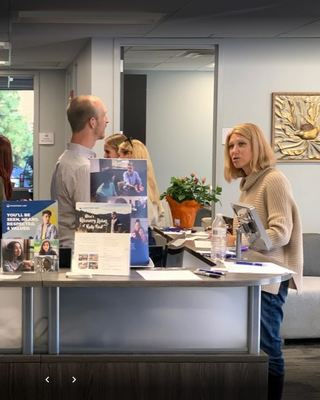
{"x": 139, "y": 241}
{"x": 139, "y": 205}
{"x": 17, "y": 255}
{"x": 103, "y": 217}
{"x": 36, "y": 219}
{"x": 46, "y": 255}
{"x": 117, "y": 177}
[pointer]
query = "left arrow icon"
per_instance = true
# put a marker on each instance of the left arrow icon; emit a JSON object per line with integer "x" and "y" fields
{"x": 47, "y": 379}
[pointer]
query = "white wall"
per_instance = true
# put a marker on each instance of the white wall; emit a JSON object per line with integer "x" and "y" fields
{"x": 83, "y": 71}
{"x": 249, "y": 71}
{"x": 92, "y": 72}
{"x": 180, "y": 124}
{"x": 102, "y": 84}
{"x": 52, "y": 118}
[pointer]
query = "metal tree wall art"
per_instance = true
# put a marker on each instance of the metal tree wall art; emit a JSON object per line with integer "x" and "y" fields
{"x": 296, "y": 126}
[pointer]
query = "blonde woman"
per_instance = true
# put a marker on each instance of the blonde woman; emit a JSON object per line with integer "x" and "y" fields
{"x": 134, "y": 149}
{"x": 249, "y": 156}
{"x": 111, "y": 145}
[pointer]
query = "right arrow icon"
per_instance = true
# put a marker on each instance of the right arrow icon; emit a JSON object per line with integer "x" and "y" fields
{"x": 73, "y": 379}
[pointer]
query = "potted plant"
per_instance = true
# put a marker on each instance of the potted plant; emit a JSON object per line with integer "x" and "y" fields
{"x": 186, "y": 195}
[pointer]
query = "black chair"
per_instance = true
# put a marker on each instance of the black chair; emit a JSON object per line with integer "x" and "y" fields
{"x": 158, "y": 255}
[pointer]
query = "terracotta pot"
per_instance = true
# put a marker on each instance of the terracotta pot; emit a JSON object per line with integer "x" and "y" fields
{"x": 184, "y": 213}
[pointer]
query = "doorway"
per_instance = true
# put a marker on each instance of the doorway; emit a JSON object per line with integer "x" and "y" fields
{"x": 179, "y": 107}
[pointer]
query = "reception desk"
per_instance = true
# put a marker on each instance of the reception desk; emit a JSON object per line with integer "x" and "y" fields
{"x": 126, "y": 337}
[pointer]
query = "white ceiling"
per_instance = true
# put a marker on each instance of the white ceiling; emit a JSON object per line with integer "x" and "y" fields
{"x": 49, "y": 33}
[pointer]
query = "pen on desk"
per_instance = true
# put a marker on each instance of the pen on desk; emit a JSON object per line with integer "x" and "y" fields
{"x": 211, "y": 271}
{"x": 208, "y": 274}
{"x": 258, "y": 264}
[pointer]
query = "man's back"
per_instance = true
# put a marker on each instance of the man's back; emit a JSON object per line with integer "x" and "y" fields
{"x": 70, "y": 184}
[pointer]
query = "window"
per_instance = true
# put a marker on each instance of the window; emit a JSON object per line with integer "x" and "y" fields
{"x": 16, "y": 122}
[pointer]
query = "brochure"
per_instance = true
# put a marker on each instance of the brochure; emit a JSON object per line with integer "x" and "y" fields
{"x": 124, "y": 181}
{"x": 102, "y": 239}
{"x": 30, "y": 236}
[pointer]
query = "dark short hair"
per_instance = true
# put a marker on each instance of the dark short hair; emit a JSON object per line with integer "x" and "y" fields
{"x": 47, "y": 212}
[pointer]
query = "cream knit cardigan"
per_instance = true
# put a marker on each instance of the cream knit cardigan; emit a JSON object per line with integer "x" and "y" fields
{"x": 270, "y": 193}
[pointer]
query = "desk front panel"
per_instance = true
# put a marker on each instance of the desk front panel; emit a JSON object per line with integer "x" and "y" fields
{"x": 151, "y": 319}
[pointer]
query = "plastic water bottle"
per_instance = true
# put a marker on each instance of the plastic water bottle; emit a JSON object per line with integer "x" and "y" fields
{"x": 218, "y": 239}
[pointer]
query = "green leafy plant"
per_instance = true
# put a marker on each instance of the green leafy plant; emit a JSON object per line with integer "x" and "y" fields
{"x": 192, "y": 188}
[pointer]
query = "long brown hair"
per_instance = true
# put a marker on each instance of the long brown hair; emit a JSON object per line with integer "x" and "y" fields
{"x": 6, "y": 164}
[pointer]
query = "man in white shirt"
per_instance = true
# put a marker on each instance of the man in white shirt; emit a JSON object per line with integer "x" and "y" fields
{"x": 70, "y": 182}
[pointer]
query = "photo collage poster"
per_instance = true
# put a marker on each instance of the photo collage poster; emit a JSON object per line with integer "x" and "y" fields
{"x": 30, "y": 236}
{"x": 124, "y": 181}
{"x": 102, "y": 238}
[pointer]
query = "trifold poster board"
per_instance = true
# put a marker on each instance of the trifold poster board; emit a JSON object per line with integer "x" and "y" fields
{"x": 29, "y": 236}
{"x": 124, "y": 181}
{"x": 102, "y": 239}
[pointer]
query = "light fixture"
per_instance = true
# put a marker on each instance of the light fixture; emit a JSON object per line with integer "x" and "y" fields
{"x": 88, "y": 17}
{"x": 5, "y": 53}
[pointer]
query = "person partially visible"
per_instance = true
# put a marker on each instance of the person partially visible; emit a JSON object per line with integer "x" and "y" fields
{"x": 46, "y": 230}
{"x": 107, "y": 188}
{"x": 142, "y": 235}
{"x": 46, "y": 249}
{"x": 250, "y": 157}
{"x": 114, "y": 222}
{"x": 126, "y": 148}
{"x": 138, "y": 150}
{"x": 111, "y": 145}
{"x": 6, "y": 166}
{"x": 70, "y": 182}
{"x": 13, "y": 259}
{"x": 132, "y": 182}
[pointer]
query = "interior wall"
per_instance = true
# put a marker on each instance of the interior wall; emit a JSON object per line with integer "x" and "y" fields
{"x": 52, "y": 118}
{"x": 82, "y": 80}
{"x": 102, "y": 85}
{"x": 180, "y": 124}
{"x": 249, "y": 71}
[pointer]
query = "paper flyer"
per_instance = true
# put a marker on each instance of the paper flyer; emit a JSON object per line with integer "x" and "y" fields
{"x": 102, "y": 238}
{"x": 101, "y": 253}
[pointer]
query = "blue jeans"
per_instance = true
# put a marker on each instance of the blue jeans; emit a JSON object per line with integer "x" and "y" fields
{"x": 271, "y": 318}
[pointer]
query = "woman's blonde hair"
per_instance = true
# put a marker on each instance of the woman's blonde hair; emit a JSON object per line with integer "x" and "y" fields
{"x": 139, "y": 151}
{"x": 262, "y": 153}
{"x": 126, "y": 148}
{"x": 115, "y": 141}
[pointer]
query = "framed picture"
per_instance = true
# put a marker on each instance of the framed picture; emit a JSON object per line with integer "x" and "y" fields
{"x": 296, "y": 126}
